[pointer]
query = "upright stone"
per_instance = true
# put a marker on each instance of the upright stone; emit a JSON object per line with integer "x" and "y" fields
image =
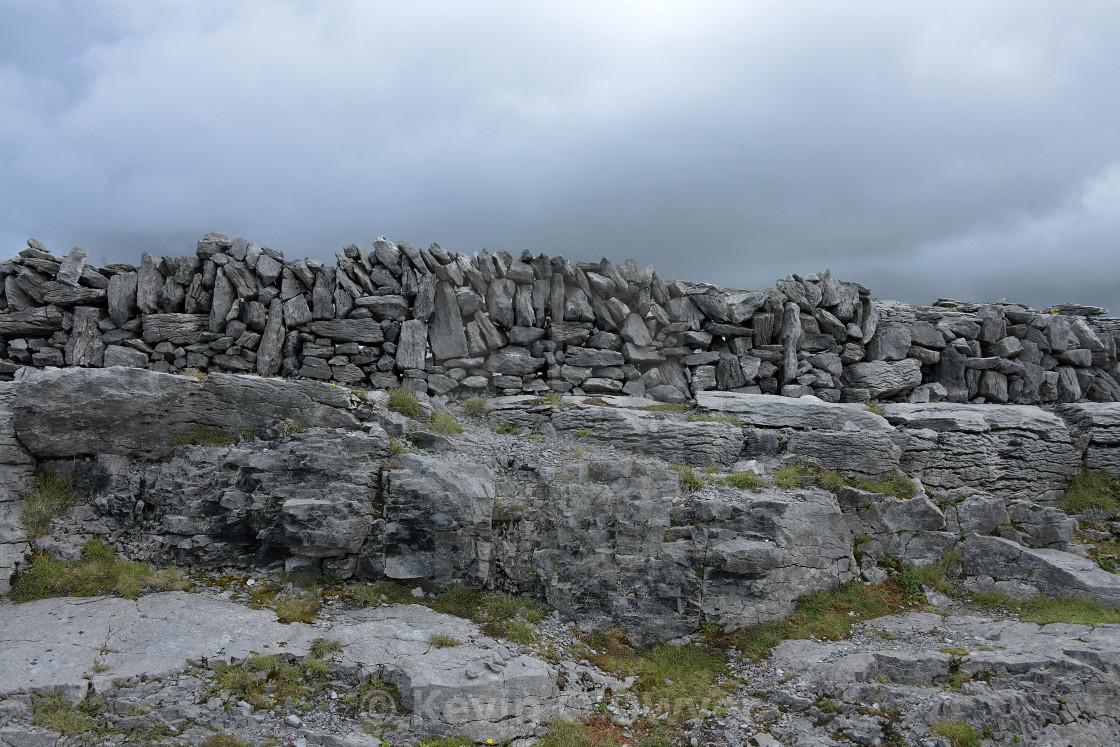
{"x": 447, "y": 337}
{"x": 425, "y": 302}
{"x": 412, "y": 346}
{"x": 322, "y": 295}
{"x": 149, "y": 283}
{"x": 791, "y": 340}
{"x": 270, "y": 351}
{"x": 70, "y": 270}
{"x": 499, "y": 301}
{"x": 85, "y": 347}
{"x": 122, "y": 297}
{"x": 224, "y": 296}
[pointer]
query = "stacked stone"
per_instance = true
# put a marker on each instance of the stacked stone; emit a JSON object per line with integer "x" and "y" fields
{"x": 460, "y": 324}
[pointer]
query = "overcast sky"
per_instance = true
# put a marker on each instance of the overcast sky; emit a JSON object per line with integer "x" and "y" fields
{"x": 963, "y": 149}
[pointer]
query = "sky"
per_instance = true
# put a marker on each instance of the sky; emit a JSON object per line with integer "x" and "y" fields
{"x": 951, "y": 149}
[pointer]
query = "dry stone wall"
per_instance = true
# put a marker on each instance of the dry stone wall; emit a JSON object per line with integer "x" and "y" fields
{"x": 442, "y": 323}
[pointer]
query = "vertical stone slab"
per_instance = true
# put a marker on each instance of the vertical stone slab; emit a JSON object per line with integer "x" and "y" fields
{"x": 412, "y": 346}
{"x": 270, "y": 350}
{"x": 447, "y": 336}
{"x": 85, "y": 346}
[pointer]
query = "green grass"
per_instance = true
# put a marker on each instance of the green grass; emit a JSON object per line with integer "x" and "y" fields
{"x": 936, "y": 575}
{"x": 322, "y": 647}
{"x": 875, "y": 408}
{"x": 958, "y": 733}
{"x": 203, "y": 435}
{"x": 507, "y": 429}
{"x": 52, "y": 496}
{"x": 439, "y": 640}
{"x": 445, "y": 425}
{"x": 740, "y": 481}
{"x": 896, "y": 484}
{"x": 823, "y": 614}
{"x": 52, "y": 711}
{"x": 459, "y": 741}
{"x": 786, "y": 476}
{"x": 555, "y": 399}
{"x": 667, "y": 407}
{"x": 1106, "y": 554}
{"x": 302, "y": 608}
{"x": 474, "y": 406}
{"x": 404, "y": 401}
{"x": 684, "y": 676}
{"x": 99, "y": 572}
{"x": 1045, "y": 610}
{"x": 268, "y": 681}
{"x": 1093, "y": 492}
{"x": 381, "y": 592}
{"x": 499, "y": 615}
{"x": 690, "y": 480}
{"x": 224, "y": 740}
{"x": 731, "y": 420}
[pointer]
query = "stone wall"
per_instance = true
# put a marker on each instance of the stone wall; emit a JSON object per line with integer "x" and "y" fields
{"x": 462, "y": 324}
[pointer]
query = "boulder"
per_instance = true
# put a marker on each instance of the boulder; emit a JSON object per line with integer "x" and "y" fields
{"x": 1023, "y": 571}
{"x": 1096, "y": 426}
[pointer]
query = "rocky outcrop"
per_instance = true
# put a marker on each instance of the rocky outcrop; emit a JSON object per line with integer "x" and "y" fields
{"x": 900, "y": 676}
{"x": 392, "y": 314}
{"x": 1004, "y": 450}
{"x": 67, "y": 412}
{"x": 17, "y": 477}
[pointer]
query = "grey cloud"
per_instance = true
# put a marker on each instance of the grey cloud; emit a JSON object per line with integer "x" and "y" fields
{"x": 927, "y": 152}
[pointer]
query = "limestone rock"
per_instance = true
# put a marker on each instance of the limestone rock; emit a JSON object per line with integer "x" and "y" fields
{"x": 697, "y": 443}
{"x": 885, "y": 379}
{"x": 1010, "y": 567}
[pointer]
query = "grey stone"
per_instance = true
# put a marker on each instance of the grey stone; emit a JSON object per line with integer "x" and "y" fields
{"x": 1006, "y": 450}
{"x": 635, "y": 332}
{"x": 385, "y": 307}
{"x": 883, "y": 378}
{"x": 222, "y": 302}
{"x": 296, "y": 311}
{"x": 514, "y": 361}
{"x": 270, "y": 351}
{"x": 178, "y": 329}
{"x": 70, "y": 269}
{"x": 697, "y": 443}
{"x": 118, "y": 355}
{"x": 121, "y": 297}
{"x": 890, "y": 343}
{"x": 446, "y": 334}
{"x": 85, "y": 347}
{"x": 149, "y": 282}
{"x": 577, "y": 356}
{"x": 61, "y": 294}
{"x": 67, "y": 412}
{"x": 1097, "y": 428}
{"x": 366, "y": 331}
{"x": 1051, "y": 572}
{"x": 412, "y": 345}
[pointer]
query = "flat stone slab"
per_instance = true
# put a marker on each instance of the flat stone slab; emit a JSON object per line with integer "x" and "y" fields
{"x": 483, "y": 688}
{"x": 55, "y": 644}
{"x": 802, "y": 413}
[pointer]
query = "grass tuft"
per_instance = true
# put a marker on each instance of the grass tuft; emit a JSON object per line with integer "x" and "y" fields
{"x": 690, "y": 481}
{"x": 445, "y": 425}
{"x": 381, "y": 592}
{"x": 404, "y": 401}
{"x": 1093, "y": 492}
{"x": 439, "y": 640}
{"x": 98, "y": 572}
{"x": 52, "y": 496}
{"x": 499, "y": 615}
{"x": 302, "y": 608}
{"x": 52, "y": 711}
{"x": 475, "y": 406}
{"x": 958, "y": 733}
